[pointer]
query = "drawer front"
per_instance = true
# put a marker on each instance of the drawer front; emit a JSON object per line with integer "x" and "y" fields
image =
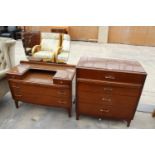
{"x": 106, "y": 99}
{"x": 45, "y": 100}
{"x": 106, "y": 111}
{"x": 61, "y": 82}
{"x": 39, "y": 90}
{"x": 108, "y": 89}
{"x": 11, "y": 76}
{"x": 110, "y": 76}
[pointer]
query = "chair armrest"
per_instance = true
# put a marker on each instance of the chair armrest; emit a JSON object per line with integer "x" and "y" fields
{"x": 66, "y": 46}
{"x": 57, "y": 52}
{"x": 35, "y": 49}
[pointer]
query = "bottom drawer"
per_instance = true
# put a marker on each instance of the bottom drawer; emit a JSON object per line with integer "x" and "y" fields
{"x": 106, "y": 111}
{"x": 45, "y": 100}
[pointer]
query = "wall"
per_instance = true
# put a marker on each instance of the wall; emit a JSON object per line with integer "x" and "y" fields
{"x": 85, "y": 33}
{"x": 134, "y": 35}
{"x": 103, "y": 34}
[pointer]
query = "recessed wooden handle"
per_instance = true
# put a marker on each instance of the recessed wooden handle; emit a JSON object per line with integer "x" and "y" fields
{"x": 18, "y": 95}
{"x": 16, "y": 87}
{"x": 62, "y": 93}
{"x": 108, "y": 89}
{"x": 104, "y": 110}
{"x": 106, "y": 99}
{"x": 110, "y": 77}
{"x": 62, "y": 102}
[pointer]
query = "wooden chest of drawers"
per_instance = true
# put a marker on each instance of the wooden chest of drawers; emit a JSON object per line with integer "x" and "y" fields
{"x": 108, "y": 88}
{"x": 43, "y": 84}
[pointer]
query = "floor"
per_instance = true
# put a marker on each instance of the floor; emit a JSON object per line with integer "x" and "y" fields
{"x": 33, "y": 116}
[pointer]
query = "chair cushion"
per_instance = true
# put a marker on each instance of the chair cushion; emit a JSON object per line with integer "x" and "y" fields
{"x": 63, "y": 57}
{"x": 45, "y": 55}
{"x": 49, "y": 44}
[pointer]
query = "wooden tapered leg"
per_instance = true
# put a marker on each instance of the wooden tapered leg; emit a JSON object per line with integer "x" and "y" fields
{"x": 69, "y": 112}
{"x": 77, "y": 116}
{"x": 74, "y": 102}
{"x": 16, "y": 104}
{"x": 128, "y": 123}
{"x": 153, "y": 114}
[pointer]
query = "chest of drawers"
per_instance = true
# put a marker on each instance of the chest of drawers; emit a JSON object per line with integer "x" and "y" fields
{"x": 108, "y": 88}
{"x": 43, "y": 84}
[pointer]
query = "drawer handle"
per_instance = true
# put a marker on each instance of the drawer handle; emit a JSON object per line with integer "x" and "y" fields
{"x": 61, "y": 82}
{"x": 106, "y": 104}
{"x": 104, "y": 110}
{"x": 62, "y": 102}
{"x": 15, "y": 87}
{"x": 106, "y": 99}
{"x": 62, "y": 93}
{"x": 18, "y": 95}
{"x": 110, "y": 77}
{"x": 108, "y": 89}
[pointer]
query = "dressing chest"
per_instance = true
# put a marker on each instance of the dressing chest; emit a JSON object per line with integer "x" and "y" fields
{"x": 108, "y": 88}
{"x": 42, "y": 83}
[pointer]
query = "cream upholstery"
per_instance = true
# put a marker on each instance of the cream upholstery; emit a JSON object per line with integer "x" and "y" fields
{"x": 46, "y": 55}
{"x": 63, "y": 56}
{"x": 49, "y": 45}
{"x": 7, "y": 47}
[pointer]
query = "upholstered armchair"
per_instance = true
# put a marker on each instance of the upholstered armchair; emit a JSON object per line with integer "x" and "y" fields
{"x": 7, "y": 47}
{"x": 49, "y": 46}
{"x": 63, "y": 54}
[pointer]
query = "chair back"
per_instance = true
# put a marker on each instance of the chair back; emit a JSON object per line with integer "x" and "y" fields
{"x": 66, "y": 42}
{"x": 50, "y": 41}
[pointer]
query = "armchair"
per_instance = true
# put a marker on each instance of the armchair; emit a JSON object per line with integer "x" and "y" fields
{"x": 49, "y": 46}
{"x": 63, "y": 54}
{"x": 6, "y": 54}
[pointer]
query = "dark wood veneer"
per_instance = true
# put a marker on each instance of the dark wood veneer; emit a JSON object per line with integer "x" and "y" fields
{"x": 108, "y": 88}
{"x": 43, "y": 84}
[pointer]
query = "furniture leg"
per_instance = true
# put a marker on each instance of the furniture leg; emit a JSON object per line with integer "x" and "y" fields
{"x": 74, "y": 102}
{"x": 128, "y": 123}
{"x": 77, "y": 116}
{"x": 69, "y": 112}
{"x": 16, "y": 104}
{"x": 153, "y": 114}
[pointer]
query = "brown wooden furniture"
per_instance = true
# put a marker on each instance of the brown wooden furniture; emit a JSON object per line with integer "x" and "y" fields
{"x": 30, "y": 39}
{"x": 59, "y": 30}
{"x": 108, "y": 88}
{"x": 153, "y": 114}
{"x": 42, "y": 83}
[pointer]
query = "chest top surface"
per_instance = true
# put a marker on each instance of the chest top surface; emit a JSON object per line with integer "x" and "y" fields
{"x": 111, "y": 64}
{"x": 62, "y": 71}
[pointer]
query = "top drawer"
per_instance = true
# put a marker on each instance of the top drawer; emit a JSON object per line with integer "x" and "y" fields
{"x": 110, "y": 76}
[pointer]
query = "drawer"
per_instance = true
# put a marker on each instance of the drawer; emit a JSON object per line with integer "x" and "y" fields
{"x": 110, "y": 76}
{"x": 40, "y": 90}
{"x": 106, "y": 99}
{"x": 11, "y": 76}
{"x": 45, "y": 100}
{"x": 61, "y": 82}
{"x": 108, "y": 89}
{"x": 111, "y": 112}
